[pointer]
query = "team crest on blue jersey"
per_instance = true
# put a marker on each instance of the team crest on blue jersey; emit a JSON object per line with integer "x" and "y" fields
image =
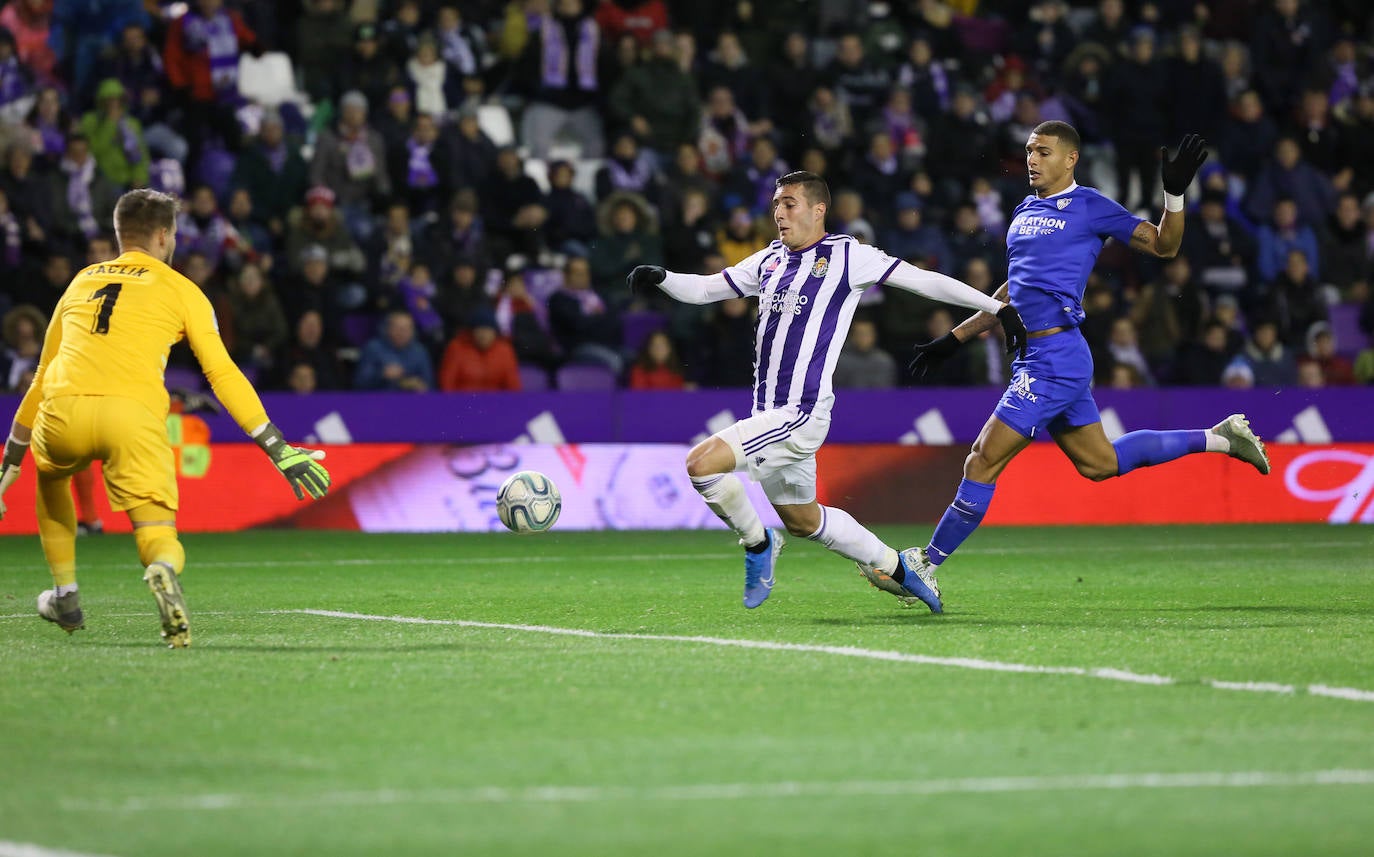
{"x": 1063, "y": 203}
{"x": 822, "y": 265}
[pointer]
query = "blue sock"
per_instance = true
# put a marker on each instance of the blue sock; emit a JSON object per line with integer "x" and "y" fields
{"x": 960, "y": 520}
{"x": 1148, "y": 448}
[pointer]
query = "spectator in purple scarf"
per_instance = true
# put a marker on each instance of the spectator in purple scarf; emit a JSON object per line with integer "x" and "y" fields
{"x": 416, "y": 292}
{"x": 753, "y": 182}
{"x": 49, "y": 123}
{"x": 558, "y": 71}
{"x": 628, "y": 169}
{"x": 16, "y": 82}
{"x": 426, "y": 179}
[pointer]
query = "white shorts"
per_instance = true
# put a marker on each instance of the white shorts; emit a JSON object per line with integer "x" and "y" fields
{"x": 778, "y": 448}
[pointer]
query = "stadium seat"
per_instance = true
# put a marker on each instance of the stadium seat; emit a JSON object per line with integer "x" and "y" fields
{"x": 584, "y": 176}
{"x": 585, "y": 377}
{"x": 539, "y": 171}
{"x": 533, "y": 379}
{"x": 1345, "y": 326}
{"x": 358, "y": 328}
{"x": 268, "y": 80}
{"x": 636, "y": 327}
{"x": 494, "y": 120}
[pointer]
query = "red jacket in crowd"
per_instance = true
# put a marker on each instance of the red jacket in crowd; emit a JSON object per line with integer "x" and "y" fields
{"x": 468, "y": 368}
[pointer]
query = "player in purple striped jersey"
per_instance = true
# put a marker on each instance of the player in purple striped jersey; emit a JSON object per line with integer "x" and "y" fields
{"x": 808, "y": 283}
{"x": 1052, "y": 242}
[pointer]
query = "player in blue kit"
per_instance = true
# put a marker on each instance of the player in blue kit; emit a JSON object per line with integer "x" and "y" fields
{"x": 1052, "y": 243}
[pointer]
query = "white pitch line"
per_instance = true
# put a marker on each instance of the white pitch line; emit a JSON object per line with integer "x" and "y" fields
{"x": 24, "y": 849}
{"x": 729, "y": 791}
{"x": 1341, "y": 692}
{"x": 1109, "y": 673}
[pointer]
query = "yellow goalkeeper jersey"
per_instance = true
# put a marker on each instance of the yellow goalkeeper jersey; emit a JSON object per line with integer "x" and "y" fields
{"x": 111, "y": 333}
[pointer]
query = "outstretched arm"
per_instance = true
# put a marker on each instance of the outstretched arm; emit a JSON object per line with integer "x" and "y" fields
{"x": 973, "y": 326}
{"x": 1163, "y": 239}
{"x": 938, "y": 287}
{"x": 300, "y": 467}
{"x": 687, "y": 288}
{"x": 932, "y": 354}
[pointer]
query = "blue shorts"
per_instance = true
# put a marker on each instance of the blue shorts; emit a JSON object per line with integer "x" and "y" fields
{"x": 1051, "y": 387}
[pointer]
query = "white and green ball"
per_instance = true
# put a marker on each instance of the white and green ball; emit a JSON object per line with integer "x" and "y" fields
{"x": 528, "y": 502}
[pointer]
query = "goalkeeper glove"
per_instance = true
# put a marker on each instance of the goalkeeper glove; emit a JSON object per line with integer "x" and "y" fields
{"x": 301, "y": 467}
{"x": 9, "y": 468}
{"x": 643, "y": 277}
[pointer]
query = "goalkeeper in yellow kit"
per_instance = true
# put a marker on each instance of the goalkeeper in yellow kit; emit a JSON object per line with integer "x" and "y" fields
{"x": 98, "y": 394}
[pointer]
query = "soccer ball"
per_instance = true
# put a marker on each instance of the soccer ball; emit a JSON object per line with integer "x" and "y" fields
{"x": 528, "y": 502}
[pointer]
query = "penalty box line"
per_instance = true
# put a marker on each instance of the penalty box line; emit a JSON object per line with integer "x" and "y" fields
{"x": 1107, "y": 673}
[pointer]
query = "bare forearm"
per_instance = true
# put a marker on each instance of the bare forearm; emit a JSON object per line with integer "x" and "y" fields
{"x": 1170, "y": 233}
{"x": 976, "y": 324}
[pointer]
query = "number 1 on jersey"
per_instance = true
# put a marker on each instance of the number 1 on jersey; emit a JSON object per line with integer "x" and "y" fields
{"x": 107, "y": 297}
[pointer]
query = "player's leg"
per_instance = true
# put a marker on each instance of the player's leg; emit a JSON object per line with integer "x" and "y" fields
{"x": 87, "y": 517}
{"x": 140, "y": 478}
{"x": 997, "y": 444}
{"x": 163, "y": 558}
{"x": 57, "y": 531}
{"x": 711, "y": 466}
{"x": 1097, "y": 458}
{"x": 838, "y": 531}
{"x": 60, "y": 447}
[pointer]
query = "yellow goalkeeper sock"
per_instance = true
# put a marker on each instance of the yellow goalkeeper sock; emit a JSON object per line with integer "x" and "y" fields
{"x": 57, "y": 528}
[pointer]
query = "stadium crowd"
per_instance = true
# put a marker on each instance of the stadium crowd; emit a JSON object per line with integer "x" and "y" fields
{"x": 434, "y": 194}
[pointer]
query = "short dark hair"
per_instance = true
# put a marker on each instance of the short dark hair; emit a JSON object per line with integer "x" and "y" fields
{"x": 813, "y": 186}
{"x": 1062, "y": 131}
{"x": 140, "y": 213}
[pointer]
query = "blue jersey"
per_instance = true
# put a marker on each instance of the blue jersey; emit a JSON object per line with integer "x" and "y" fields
{"x": 1052, "y": 244}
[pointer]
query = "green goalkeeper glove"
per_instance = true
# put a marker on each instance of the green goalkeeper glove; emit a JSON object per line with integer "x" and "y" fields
{"x": 9, "y": 468}
{"x": 301, "y": 467}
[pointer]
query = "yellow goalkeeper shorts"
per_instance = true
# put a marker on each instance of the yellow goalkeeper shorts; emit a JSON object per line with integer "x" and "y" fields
{"x": 72, "y": 431}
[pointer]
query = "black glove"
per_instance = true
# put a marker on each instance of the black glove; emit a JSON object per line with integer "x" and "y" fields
{"x": 929, "y": 355}
{"x": 1014, "y": 330}
{"x": 1178, "y": 171}
{"x": 644, "y": 277}
{"x": 195, "y": 403}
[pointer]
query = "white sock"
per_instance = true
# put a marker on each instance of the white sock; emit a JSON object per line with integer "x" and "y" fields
{"x": 852, "y": 540}
{"x": 725, "y": 495}
{"x": 65, "y": 589}
{"x": 1217, "y": 443}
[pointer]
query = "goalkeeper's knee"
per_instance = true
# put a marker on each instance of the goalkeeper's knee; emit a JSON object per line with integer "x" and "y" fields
{"x": 155, "y": 534}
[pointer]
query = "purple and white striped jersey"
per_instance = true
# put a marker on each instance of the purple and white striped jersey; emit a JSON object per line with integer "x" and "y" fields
{"x": 807, "y": 300}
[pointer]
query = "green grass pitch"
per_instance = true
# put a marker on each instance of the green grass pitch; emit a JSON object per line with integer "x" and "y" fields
{"x": 282, "y": 732}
